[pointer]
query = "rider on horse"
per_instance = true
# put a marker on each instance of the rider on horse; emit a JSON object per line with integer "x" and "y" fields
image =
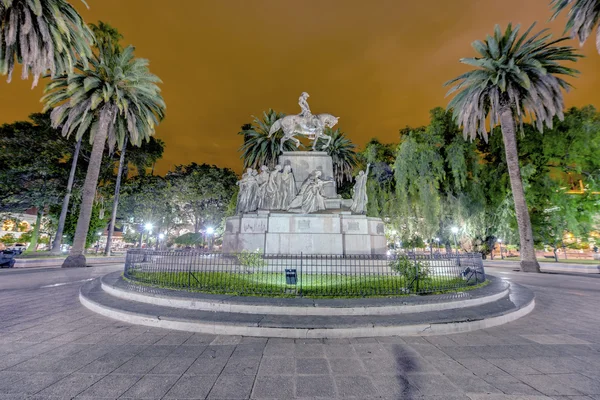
{"x": 302, "y": 101}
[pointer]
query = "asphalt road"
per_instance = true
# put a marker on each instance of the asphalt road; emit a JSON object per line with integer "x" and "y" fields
{"x": 53, "y": 348}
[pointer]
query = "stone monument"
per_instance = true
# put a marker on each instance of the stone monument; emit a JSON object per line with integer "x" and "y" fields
{"x": 294, "y": 208}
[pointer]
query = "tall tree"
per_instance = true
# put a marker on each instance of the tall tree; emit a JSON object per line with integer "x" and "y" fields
{"x": 42, "y": 35}
{"x": 258, "y": 148}
{"x": 33, "y": 167}
{"x": 512, "y": 76}
{"x": 582, "y": 18}
{"x": 203, "y": 192}
{"x": 117, "y": 96}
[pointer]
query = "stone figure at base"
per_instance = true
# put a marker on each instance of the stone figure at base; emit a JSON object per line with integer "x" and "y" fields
{"x": 310, "y": 198}
{"x": 262, "y": 180}
{"x": 359, "y": 197}
{"x": 247, "y": 200}
{"x": 287, "y": 190}
{"x": 273, "y": 195}
{"x": 303, "y": 103}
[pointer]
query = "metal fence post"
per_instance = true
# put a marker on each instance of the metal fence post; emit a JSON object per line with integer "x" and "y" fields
{"x": 300, "y": 275}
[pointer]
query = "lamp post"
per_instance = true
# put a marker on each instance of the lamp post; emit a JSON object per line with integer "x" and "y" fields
{"x": 209, "y": 231}
{"x": 437, "y": 239}
{"x": 98, "y": 241}
{"x": 454, "y": 230}
{"x": 161, "y": 236}
{"x": 148, "y": 226}
{"x": 501, "y": 254}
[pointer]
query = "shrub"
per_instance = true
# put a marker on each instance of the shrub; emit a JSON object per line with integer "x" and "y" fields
{"x": 251, "y": 259}
{"x": 410, "y": 269}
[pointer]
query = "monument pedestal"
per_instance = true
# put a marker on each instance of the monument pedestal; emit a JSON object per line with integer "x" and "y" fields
{"x": 338, "y": 233}
{"x": 303, "y": 163}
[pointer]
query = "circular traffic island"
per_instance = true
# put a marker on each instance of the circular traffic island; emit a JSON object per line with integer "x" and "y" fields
{"x": 307, "y": 296}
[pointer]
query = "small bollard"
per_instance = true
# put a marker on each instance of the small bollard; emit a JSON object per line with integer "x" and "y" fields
{"x": 291, "y": 277}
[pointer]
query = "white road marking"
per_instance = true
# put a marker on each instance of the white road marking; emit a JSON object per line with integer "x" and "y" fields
{"x": 64, "y": 283}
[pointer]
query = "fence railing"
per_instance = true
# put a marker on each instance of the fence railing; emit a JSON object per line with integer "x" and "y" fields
{"x": 304, "y": 274}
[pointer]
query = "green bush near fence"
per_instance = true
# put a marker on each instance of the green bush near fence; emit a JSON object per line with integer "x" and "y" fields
{"x": 307, "y": 285}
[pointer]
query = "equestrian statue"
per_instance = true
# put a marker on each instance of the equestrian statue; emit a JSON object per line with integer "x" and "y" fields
{"x": 305, "y": 124}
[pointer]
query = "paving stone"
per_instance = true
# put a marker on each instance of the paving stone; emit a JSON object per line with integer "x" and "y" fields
{"x": 312, "y": 366}
{"x": 241, "y": 366}
{"x": 347, "y": 366}
{"x": 110, "y": 386}
{"x": 277, "y": 366}
{"x": 172, "y": 366}
{"x": 31, "y": 383}
{"x": 550, "y": 385}
{"x": 138, "y": 365}
{"x": 191, "y": 387}
{"x": 232, "y": 387}
{"x": 274, "y": 387}
{"x": 315, "y": 386}
{"x": 432, "y": 384}
{"x": 71, "y": 386}
{"x": 359, "y": 387}
{"x": 151, "y": 386}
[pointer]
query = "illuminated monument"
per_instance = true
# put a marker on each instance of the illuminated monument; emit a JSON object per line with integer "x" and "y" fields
{"x": 295, "y": 208}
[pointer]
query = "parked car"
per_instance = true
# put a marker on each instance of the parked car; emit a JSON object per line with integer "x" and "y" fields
{"x": 7, "y": 259}
{"x": 18, "y": 248}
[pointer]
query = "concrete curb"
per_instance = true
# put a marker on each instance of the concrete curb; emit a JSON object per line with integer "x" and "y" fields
{"x": 215, "y": 328}
{"x": 223, "y": 306}
{"x": 549, "y": 267}
{"x": 57, "y": 262}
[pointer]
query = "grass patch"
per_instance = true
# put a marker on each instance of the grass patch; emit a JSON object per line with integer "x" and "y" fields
{"x": 308, "y": 285}
{"x": 552, "y": 260}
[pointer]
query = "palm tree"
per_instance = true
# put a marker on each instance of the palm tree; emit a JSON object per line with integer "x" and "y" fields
{"x": 107, "y": 38}
{"x": 43, "y": 36}
{"x": 258, "y": 148}
{"x": 341, "y": 150}
{"x": 513, "y": 76}
{"x": 582, "y": 18}
{"x": 117, "y": 96}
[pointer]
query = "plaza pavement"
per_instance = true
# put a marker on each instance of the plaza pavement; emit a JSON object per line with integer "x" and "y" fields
{"x": 53, "y": 348}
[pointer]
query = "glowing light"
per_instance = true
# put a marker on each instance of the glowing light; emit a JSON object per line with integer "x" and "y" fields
{"x": 454, "y": 229}
{"x": 210, "y": 230}
{"x": 148, "y": 226}
{"x": 161, "y": 236}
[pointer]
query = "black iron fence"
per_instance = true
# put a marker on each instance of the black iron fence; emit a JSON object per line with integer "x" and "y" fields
{"x": 310, "y": 275}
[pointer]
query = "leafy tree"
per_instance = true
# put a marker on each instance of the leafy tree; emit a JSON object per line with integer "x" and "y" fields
{"x": 203, "y": 193}
{"x": 258, "y": 148}
{"x": 149, "y": 199}
{"x": 582, "y": 18}
{"x": 46, "y": 35}
{"x": 189, "y": 239}
{"x": 97, "y": 225}
{"x": 117, "y": 96}
{"x": 514, "y": 75}
{"x": 33, "y": 171}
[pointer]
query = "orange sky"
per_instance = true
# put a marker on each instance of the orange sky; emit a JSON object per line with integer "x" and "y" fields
{"x": 377, "y": 64}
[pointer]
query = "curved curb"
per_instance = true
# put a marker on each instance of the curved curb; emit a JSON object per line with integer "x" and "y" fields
{"x": 220, "y": 306}
{"x": 300, "y": 333}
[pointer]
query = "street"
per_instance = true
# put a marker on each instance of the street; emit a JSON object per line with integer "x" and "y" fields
{"x": 53, "y": 348}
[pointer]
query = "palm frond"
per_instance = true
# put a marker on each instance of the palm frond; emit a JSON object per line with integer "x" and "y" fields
{"x": 524, "y": 74}
{"x": 42, "y": 36}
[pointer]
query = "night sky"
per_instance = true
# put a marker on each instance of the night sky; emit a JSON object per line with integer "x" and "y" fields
{"x": 379, "y": 65}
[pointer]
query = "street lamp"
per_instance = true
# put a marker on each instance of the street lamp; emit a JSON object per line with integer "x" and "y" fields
{"x": 209, "y": 231}
{"x": 501, "y": 254}
{"x": 98, "y": 242}
{"x": 437, "y": 239}
{"x": 454, "y": 230}
{"x": 161, "y": 236}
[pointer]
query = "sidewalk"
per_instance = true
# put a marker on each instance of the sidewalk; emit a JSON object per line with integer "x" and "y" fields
{"x": 548, "y": 266}
{"x": 57, "y": 262}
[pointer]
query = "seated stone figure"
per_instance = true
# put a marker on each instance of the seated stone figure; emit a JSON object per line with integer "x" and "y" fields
{"x": 247, "y": 200}
{"x": 310, "y": 198}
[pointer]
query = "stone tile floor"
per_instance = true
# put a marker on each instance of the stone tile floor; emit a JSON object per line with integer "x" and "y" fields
{"x": 53, "y": 348}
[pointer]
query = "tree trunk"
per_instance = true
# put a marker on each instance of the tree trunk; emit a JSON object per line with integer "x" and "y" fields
{"x": 36, "y": 231}
{"x": 65, "y": 207}
{"x": 529, "y": 262}
{"x": 555, "y": 254}
{"x": 76, "y": 257}
{"x": 113, "y": 217}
